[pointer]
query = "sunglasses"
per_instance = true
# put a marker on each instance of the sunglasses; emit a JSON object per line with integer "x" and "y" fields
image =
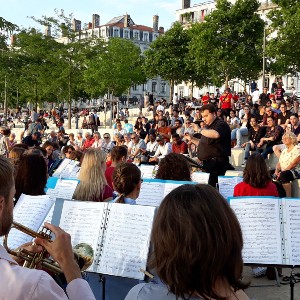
{"x": 106, "y": 137}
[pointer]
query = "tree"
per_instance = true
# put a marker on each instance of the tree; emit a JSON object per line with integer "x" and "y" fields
{"x": 166, "y": 56}
{"x": 114, "y": 67}
{"x": 284, "y": 49}
{"x": 229, "y": 43}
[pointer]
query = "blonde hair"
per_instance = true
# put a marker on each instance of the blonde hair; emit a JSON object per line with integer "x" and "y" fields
{"x": 91, "y": 176}
{"x": 292, "y": 136}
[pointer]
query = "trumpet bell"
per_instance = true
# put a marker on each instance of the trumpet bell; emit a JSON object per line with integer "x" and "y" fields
{"x": 84, "y": 254}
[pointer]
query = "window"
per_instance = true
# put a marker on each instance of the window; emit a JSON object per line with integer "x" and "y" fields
{"x": 154, "y": 87}
{"x": 155, "y": 36}
{"x": 146, "y": 37}
{"x": 136, "y": 35}
{"x": 126, "y": 34}
{"x": 163, "y": 88}
{"x": 116, "y": 32}
{"x": 181, "y": 92}
{"x": 144, "y": 87}
{"x": 135, "y": 87}
{"x": 103, "y": 33}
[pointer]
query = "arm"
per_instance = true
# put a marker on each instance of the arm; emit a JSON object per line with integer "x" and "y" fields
{"x": 293, "y": 164}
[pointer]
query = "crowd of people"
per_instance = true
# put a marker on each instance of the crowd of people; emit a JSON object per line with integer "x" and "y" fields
{"x": 198, "y": 213}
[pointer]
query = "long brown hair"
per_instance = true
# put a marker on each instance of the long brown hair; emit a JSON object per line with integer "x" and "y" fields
{"x": 197, "y": 240}
{"x": 256, "y": 171}
{"x": 126, "y": 177}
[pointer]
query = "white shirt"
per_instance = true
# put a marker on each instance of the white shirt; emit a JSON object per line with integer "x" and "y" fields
{"x": 18, "y": 283}
{"x": 152, "y": 146}
{"x": 255, "y": 96}
{"x": 160, "y": 107}
{"x": 286, "y": 158}
{"x": 97, "y": 144}
{"x": 164, "y": 150}
{"x": 175, "y": 100}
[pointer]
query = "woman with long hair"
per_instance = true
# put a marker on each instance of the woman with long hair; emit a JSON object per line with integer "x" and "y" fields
{"x": 198, "y": 245}
{"x": 127, "y": 182}
{"x": 93, "y": 185}
{"x": 256, "y": 179}
{"x": 174, "y": 167}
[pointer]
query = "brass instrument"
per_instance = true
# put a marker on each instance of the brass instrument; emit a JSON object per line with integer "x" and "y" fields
{"x": 83, "y": 253}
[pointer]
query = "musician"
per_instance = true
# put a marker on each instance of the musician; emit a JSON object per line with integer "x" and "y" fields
{"x": 21, "y": 283}
{"x": 187, "y": 256}
{"x": 214, "y": 146}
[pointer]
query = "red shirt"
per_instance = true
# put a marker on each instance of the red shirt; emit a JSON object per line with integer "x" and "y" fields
{"x": 165, "y": 130}
{"x": 226, "y": 101}
{"x": 245, "y": 189}
{"x": 108, "y": 174}
{"x": 182, "y": 148}
{"x": 205, "y": 99}
{"x": 88, "y": 143}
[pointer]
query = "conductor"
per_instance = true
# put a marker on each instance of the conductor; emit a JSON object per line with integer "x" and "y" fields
{"x": 214, "y": 146}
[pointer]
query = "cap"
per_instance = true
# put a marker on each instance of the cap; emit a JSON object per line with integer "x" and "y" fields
{"x": 159, "y": 138}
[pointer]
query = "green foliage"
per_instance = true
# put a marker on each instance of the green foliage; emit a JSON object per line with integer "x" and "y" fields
{"x": 284, "y": 46}
{"x": 114, "y": 67}
{"x": 229, "y": 43}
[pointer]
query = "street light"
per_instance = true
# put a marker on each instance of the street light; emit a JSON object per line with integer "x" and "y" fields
{"x": 5, "y": 95}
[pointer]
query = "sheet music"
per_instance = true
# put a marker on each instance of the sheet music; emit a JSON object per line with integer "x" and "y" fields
{"x": 29, "y": 211}
{"x": 67, "y": 169}
{"x": 291, "y": 209}
{"x": 63, "y": 189}
{"x": 82, "y": 220}
{"x": 154, "y": 190}
{"x": 147, "y": 171}
{"x": 126, "y": 240}
{"x": 200, "y": 177}
{"x": 227, "y": 183}
{"x": 260, "y": 222}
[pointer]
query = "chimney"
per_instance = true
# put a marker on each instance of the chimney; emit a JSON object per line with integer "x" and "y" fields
{"x": 47, "y": 30}
{"x": 90, "y": 25}
{"x": 161, "y": 29}
{"x": 155, "y": 22}
{"x": 96, "y": 21}
{"x": 186, "y": 4}
{"x": 76, "y": 25}
{"x": 127, "y": 20}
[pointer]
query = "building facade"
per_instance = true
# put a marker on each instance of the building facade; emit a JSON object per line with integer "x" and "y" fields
{"x": 140, "y": 35}
{"x": 188, "y": 15}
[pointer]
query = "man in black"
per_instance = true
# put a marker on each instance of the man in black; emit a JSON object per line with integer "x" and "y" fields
{"x": 214, "y": 146}
{"x": 32, "y": 140}
{"x": 264, "y": 97}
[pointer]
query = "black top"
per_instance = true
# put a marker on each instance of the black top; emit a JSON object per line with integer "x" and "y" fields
{"x": 30, "y": 142}
{"x": 209, "y": 148}
{"x": 264, "y": 98}
{"x": 255, "y": 136}
{"x": 284, "y": 118}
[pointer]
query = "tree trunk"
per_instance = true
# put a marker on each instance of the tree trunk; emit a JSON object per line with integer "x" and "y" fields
{"x": 69, "y": 104}
{"x": 36, "y": 97}
{"x": 226, "y": 82}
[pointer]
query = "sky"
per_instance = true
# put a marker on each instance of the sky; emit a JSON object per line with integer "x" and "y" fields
{"x": 140, "y": 11}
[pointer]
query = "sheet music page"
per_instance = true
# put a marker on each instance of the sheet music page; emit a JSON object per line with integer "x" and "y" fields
{"x": 152, "y": 192}
{"x": 82, "y": 220}
{"x": 292, "y": 229}
{"x": 31, "y": 212}
{"x": 147, "y": 171}
{"x": 200, "y": 177}
{"x": 61, "y": 167}
{"x": 227, "y": 184}
{"x": 63, "y": 189}
{"x": 126, "y": 240}
{"x": 169, "y": 186}
{"x": 260, "y": 222}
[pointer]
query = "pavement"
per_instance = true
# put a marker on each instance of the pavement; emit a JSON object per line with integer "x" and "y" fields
{"x": 265, "y": 289}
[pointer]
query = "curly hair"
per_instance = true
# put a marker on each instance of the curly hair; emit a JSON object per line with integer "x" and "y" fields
{"x": 256, "y": 171}
{"x": 125, "y": 178}
{"x": 197, "y": 241}
{"x": 174, "y": 167}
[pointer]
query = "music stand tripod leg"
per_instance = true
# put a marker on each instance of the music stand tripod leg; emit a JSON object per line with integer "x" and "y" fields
{"x": 102, "y": 279}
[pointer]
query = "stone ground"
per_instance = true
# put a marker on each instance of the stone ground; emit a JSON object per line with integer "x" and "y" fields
{"x": 257, "y": 290}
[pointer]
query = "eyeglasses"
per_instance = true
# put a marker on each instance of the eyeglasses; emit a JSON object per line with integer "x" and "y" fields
{"x": 106, "y": 137}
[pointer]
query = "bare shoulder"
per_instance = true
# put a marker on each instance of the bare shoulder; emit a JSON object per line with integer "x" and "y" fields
{"x": 240, "y": 295}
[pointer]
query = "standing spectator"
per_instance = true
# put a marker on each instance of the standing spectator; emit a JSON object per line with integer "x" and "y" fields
{"x": 92, "y": 122}
{"x": 279, "y": 92}
{"x": 34, "y": 115}
{"x": 255, "y": 96}
{"x": 141, "y": 104}
{"x": 128, "y": 127}
{"x": 226, "y": 102}
{"x": 84, "y": 124}
{"x": 175, "y": 100}
{"x": 253, "y": 86}
{"x": 264, "y": 97}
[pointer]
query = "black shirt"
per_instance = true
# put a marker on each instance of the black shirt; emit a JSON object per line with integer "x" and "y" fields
{"x": 255, "y": 136}
{"x": 209, "y": 148}
{"x": 264, "y": 98}
{"x": 284, "y": 118}
{"x": 30, "y": 142}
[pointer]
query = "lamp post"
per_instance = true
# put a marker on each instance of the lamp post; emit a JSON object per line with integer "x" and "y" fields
{"x": 5, "y": 94}
{"x": 264, "y": 59}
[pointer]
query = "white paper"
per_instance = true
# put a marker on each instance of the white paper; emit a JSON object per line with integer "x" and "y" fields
{"x": 83, "y": 221}
{"x": 67, "y": 169}
{"x": 260, "y": 223}
{"x": 64, "y": 189}
{"x": 227, "y": 184}
{"x": 126, "y": 240}
{"x": 200, "y": 177}
{"x": 147, "y": 171}
{"x": 292, "y": 230}
{"x": 29, "y": 211}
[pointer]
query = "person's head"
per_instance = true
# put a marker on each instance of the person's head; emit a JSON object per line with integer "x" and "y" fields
{"x": 12, "y": 136}
{"x": 106, "y": 137}
{"x": 198, "y": 241}
{"x": 268, "y": 103}
{"x": 175, "y": 113}
{"x": 174, "y": 167}
{"x": 294, "y": 119}
{"x": 256, "y": 171}
{"x": 88, "y": 135}
{"x": 71, "y": 136}
{"x": 289, "y": 138}
{"x": 135, "y": 138}
{"x": 176, "y": 138}
{"x": 265, "y": 90}
{"x": 76, "y": 155}
{"x": 119, "y": 154}
{"x": 253, "y": 122}
{"x": 178, "y": 123}
{"x": 15, "y": 155}
{"x": 48, "y": 146}
{"x": 270, "y": 121}
{"x": 119, "y": 126}
{"x": 162, "y": 123}
{"x": 67, "y": 150}
{"x": 282, "y": 107}
{"x": 79, "y": 135}
{"x": 232, "y": 114}
{"x": 188, "y": 123}
{"x": 97, "y": 136}
{"x": 247, "y": 109}
{"x": 53, "y": 134}
{"x": 208, "y": 113}
{"x": 31, "y": 176}
{"x": 127, "y": 181}
{"x": 296, "y": 104}
{"x": 152, "y": 137}
{"x": 160, "y": 140}
{"x": 91, "y": 176}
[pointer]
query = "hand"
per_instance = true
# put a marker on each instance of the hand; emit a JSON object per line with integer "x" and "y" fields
{"x": 195, "y": 126}
{"x": 187, "y": 136}
{"x": 243, "y": 145}
{"x": 153, "y": 159}
{"x": 252, "y": 145}
{"x": 61, "y": 251}
{"x": 29, "y": 247}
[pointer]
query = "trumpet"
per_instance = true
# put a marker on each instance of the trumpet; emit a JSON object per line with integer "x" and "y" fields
{"x": 83, "y": 253}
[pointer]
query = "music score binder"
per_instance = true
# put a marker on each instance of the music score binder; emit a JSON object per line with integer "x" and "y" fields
{"x": 271, "y": 229}
{"x": 118, "y": 233}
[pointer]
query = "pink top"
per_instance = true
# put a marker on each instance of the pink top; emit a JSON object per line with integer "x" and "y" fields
{"x": 28, "y": 284}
